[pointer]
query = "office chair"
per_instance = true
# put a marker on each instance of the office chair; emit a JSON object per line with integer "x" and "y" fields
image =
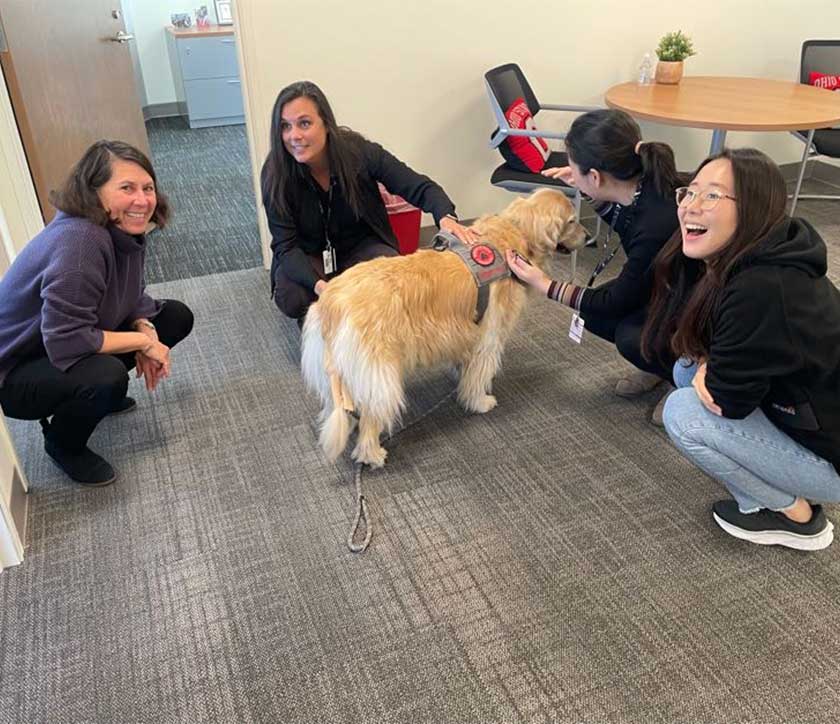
{"x": 505, "y": 84}
{"x": 822, "y": 56}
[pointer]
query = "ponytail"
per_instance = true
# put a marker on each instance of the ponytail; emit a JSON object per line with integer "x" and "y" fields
{"x": 659, "y": 166}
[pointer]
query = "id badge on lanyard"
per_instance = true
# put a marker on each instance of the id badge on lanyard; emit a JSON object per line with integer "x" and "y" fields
{"x": 329, "y": 259}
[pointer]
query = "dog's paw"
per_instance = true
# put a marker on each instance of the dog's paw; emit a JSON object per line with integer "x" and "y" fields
{"x": 482, "y": 404}
{"x": 375, "y": 457}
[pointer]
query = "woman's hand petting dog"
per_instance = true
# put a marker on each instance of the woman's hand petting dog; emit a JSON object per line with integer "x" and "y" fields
{"x": 528, "y": 273}
{"x": 464, "y": 233}
{"x": 564, "y": 173}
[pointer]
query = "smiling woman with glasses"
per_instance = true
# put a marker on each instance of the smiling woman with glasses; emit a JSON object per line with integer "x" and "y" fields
{"x": 743, "y": 298}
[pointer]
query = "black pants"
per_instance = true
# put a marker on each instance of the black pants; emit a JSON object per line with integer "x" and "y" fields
{"x": 626, "y": 334}
{"x": 79, "y": 398}
{"x": 294, "y": 299}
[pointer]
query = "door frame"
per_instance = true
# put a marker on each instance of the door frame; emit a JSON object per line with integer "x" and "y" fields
{"x": 21, "y": 219}
{"x": 257, "y": 125}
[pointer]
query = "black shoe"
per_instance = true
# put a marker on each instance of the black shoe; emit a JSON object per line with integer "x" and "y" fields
{"x": 85, "y": 467}
{"x": 768, "y": 528}
{"x": 126, "y": 404}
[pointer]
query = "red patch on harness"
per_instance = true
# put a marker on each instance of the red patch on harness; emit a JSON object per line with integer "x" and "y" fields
{"x": 482, "y": 255}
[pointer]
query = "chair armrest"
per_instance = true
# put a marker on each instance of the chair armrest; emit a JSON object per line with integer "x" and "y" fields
{"x": 532, "y": 134}
{"x": 579, "y": 109}
{"x": 502, "y": 133}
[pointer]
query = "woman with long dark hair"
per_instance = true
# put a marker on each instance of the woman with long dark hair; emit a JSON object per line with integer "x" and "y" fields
{"x": 631, "y": 183}
{"x": 74, "y": 313}
{"x": 743, "y": 298}
{"x": 321, "y": 198}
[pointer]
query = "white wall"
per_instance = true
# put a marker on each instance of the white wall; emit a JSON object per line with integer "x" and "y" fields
{"x": 20, "y": 220}
{"x": 149, "y": 19}
{"x": 410, "y": 75}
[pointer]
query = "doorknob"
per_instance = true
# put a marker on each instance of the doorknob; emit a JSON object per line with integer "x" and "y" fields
{"x": 121, "y": 37}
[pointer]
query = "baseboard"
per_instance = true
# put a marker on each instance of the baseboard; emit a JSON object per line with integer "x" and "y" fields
{"x": 164, "y": 110}
{"x": 13, "y": 524}
{"x": 817, "y": 170}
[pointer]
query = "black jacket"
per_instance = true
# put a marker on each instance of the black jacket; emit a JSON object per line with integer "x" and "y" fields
{"x": 302, "y": 232}
{"x": 643, "y": 231}
{"x": 776, "y": 340}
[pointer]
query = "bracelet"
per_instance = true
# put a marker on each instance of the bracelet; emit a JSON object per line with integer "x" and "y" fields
{"x": 551, "y": 288}
{"x": 143, "y": 323}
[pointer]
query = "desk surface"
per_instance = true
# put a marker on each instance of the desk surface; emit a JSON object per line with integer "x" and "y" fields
{"x": 196, "y": 32}
{"x": 732, "y": 104}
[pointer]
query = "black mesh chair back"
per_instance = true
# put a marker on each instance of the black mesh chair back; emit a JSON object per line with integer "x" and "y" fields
{"x": 509, "y": 83}
{"x": 818, "y": 56}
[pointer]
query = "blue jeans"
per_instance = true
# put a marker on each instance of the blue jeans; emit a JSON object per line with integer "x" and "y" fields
{"x": 760, "y": 465}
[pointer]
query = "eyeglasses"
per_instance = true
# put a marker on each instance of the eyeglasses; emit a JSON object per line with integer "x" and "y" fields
{"x": 708, "y": 199}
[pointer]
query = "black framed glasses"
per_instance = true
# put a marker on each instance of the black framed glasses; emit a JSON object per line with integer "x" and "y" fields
{"x": 708, "y": 199}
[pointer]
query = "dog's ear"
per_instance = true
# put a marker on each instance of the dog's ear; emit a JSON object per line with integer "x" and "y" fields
{"x": 544, "y": 220}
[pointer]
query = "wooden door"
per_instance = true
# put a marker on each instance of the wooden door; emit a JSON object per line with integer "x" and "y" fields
{"x": 70, "y": 83}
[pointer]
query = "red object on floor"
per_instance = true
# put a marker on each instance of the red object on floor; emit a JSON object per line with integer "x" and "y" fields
{"x": 405, "y": 220}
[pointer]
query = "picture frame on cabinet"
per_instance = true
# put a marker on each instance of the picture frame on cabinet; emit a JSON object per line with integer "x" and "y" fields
{"x": 224, "y": 12}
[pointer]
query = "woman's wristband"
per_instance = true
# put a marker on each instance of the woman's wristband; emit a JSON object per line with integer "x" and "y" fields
{"x": 565, "y": 293}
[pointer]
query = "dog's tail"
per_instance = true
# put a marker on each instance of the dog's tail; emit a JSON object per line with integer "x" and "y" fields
{"x": 312, "y": 355}
{"x": 320, "y": 376}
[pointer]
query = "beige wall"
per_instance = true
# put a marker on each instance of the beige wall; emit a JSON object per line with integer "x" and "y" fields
{"x": 410, "y": 75}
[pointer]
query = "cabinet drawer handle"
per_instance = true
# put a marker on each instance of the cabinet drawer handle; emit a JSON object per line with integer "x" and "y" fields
{"x": 237, "y": 82}
{"x": 228, "y": 41}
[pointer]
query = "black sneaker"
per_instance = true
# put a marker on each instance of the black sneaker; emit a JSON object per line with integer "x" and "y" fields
{"x": 126, "y": 404}
{"x": 769, "y": 528}
{"x": 85, "y": 467}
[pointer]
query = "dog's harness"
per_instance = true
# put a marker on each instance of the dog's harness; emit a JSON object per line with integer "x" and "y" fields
{"x": 486, "y": 264}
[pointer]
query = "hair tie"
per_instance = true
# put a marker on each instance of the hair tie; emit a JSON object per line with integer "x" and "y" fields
{"x": 637, "y": 147}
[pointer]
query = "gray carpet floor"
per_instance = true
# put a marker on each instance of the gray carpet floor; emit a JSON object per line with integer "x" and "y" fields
{"x": 552, "y": 561}
{"x": 207, "y": 175}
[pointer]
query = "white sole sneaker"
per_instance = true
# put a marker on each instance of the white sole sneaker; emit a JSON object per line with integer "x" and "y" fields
{"x": 787, "y": 539}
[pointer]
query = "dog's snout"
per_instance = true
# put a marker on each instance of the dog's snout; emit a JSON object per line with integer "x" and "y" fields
{"x": 573, "y": 236}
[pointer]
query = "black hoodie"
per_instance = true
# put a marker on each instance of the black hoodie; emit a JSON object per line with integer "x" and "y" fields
{"x": 776, "y": 340}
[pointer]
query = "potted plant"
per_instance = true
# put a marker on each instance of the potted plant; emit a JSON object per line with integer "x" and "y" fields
{"x": 672, "y": 50}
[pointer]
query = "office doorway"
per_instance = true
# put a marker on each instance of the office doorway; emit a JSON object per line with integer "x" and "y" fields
{"x": 104, "y": 69}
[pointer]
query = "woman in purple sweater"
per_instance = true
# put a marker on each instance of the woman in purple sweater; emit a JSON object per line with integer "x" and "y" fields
{"x": 74, "y": 313}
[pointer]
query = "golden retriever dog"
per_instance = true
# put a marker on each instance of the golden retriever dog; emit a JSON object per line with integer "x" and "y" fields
{"x": 380, "y": 320}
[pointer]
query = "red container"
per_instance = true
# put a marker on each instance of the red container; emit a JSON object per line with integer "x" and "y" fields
{"x": 405, "y": 220}
{"x": 406, "y": 226}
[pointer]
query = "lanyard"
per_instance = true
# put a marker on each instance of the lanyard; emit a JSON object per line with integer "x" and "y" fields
{"x": 325, "y": 214}
{"x": 616, "y": 210}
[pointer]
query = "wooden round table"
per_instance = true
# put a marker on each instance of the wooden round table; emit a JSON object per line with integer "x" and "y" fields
{"x": 730, "y": 104}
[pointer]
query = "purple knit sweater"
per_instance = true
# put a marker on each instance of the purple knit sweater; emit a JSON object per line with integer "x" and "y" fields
{"x": 70, "y": 283}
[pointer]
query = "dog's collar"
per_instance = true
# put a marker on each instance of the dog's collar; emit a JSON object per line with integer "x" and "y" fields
{"x": 485, "y": 262}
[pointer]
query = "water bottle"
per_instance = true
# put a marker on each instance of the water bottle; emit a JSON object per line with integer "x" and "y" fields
{"x": 646, "y": 70}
